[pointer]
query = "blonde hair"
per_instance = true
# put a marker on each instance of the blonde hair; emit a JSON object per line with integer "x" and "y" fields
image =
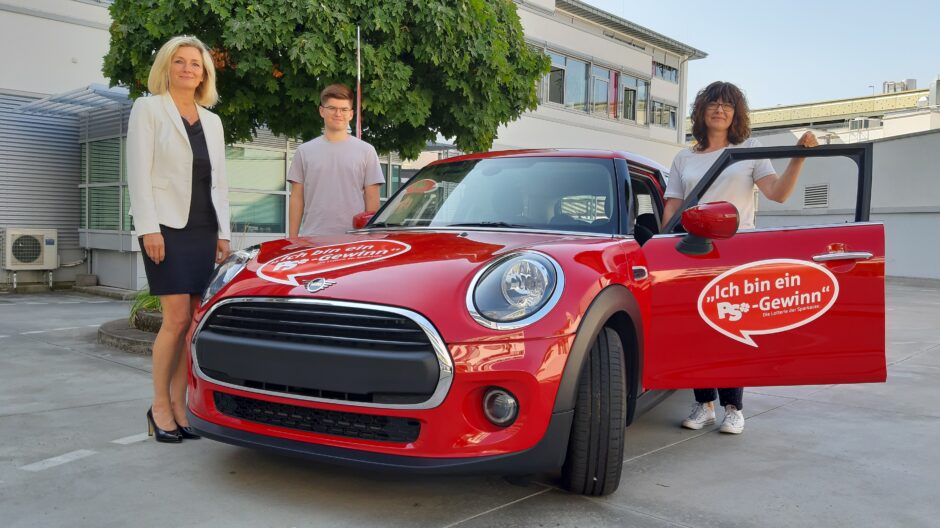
{"x": 159, "y": 80}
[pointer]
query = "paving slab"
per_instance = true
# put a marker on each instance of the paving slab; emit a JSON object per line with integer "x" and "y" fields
{"x": 40, "y": 377}
{"x": 555, "y": 508}
{"x": 910, "y": 390}
{"x": 827, "y": 455}
{"x": 800, "y": 464}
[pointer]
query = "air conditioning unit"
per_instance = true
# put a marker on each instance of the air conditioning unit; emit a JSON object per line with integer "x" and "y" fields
{"x": 30, "y": 249}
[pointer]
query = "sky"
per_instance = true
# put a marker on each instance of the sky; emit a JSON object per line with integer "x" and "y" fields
{"x": 799, "y": 51}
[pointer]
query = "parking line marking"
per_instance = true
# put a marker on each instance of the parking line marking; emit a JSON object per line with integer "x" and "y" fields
{"x": 131, "y": 439}
{"x": 56, "y": 329}
{"x": 34, "y": 303}
{"x": 491, "y": 510}
{"x": 59, "y": 460}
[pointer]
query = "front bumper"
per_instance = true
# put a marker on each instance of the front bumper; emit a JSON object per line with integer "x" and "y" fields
{"x": 547, "y": 454}
{"x": 450, "y": 425}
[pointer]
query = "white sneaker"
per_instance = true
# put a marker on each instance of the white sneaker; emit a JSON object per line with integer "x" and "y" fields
{"x": 703, "y": 414}
{"x": 733, "y": 422}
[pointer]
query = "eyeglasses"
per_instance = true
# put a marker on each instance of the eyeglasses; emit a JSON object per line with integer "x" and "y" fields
{"x": 336, "y": 109}
{"x": 715, "y": 105}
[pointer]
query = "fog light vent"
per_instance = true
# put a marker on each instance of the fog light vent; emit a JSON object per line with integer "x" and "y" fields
{"x": 500, "y": 407}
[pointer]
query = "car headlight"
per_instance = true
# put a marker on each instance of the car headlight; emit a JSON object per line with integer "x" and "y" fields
{"x": 514, "y": 291}
{"x": 227, "y": 270}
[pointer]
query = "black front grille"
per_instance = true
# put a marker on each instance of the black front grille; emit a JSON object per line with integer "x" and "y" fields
{"x": 326, "y": 325}
{"x": 350, "y": 425}
{"x": 291, "y": 390}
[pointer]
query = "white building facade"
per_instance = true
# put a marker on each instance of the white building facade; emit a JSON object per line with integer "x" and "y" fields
{"x": 613, "y": 85}
{"x": 905, "y": 192}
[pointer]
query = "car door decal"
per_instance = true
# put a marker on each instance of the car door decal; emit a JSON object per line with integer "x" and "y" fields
{"x": 767, "y": 297}
{"x": 286, "y": 268}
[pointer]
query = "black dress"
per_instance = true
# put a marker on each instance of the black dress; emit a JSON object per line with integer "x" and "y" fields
{"x": 189, "y": 252}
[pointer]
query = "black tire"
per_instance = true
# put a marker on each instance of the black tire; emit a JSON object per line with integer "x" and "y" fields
{"x": 595, "y": 450}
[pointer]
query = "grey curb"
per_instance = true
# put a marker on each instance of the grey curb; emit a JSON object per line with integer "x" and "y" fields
{"x": 119, "y": 334}
{"x": 107, "y": 291}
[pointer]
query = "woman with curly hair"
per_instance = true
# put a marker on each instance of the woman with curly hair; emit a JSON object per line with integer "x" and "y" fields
{"x": 720, "y": 120}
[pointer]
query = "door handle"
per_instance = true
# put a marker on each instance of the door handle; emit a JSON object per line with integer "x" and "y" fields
{"x": 843, "y": 255}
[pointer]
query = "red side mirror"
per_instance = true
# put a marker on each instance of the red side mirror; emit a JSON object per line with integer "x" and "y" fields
{"x": 707, "y": 222}
{"x": 715, "y": 220}
{"x": 361, "y": 219}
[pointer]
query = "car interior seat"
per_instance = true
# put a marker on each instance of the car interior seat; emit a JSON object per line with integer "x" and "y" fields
{"x": 645, "y": 227}
{"x": 602, "y": 224}
{"x": 560, "y": 218}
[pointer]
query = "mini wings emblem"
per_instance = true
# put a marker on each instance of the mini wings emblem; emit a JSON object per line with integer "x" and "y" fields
{"x": 318, "y": 284}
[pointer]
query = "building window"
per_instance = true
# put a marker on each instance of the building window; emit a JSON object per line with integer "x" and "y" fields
{"x": 601, "y": 101}
{"x": 667, "y": 73}
{"x": 103, "y": 186}
{"x": 576, "y": 84}
{"x": 568, "y": 82}
{"x": 664, "y": 115}
{"x": 581, "y": 85}
{"x": 392, "y": 180}
{"x": 83, "y": 188}
{"x": 635, "y": 99}
{"x": 556, "y": 79}
{"x": 257, "y": 192}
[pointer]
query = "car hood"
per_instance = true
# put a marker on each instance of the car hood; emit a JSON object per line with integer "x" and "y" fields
{"x": 415, "y": 269}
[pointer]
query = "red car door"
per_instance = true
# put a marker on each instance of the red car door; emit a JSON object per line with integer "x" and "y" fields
{"x": 785, "y": 306}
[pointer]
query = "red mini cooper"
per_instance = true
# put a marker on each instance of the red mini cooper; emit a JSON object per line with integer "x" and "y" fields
{"x": 513, "y": 312}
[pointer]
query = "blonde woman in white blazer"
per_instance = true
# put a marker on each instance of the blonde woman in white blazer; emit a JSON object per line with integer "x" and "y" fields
{"x": 179, "y": 201}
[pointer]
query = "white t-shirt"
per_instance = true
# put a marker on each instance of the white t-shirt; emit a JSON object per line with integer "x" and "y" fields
{"x": 735, "y": 184}
{"x": 334, "y": 175}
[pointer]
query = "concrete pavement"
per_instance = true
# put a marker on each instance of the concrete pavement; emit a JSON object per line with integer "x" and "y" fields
{"x": 74, "y": 452}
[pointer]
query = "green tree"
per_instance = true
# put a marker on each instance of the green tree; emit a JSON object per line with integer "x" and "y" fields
{"x": 458, "y": 68}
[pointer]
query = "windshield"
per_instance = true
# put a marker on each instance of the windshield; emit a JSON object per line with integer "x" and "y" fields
{"x": 559, "y": 194}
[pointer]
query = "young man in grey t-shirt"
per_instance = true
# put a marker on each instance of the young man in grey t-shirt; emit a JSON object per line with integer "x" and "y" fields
{"x": 335, "y": 176}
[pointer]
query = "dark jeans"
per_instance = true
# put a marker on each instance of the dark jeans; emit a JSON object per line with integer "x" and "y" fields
{"x": 733, "y": 396}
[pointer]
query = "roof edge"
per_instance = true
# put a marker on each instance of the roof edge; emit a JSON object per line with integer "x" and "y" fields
{"x": 591, "y": 13}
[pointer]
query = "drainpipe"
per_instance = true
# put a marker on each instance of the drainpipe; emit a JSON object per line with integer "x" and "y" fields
{"x": 683, "y": 99}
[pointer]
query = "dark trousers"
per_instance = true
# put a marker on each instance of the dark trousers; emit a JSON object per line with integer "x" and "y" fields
{"x": 733, "y": 396}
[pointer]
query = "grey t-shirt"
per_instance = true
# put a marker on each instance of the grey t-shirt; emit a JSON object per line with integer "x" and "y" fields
{"x": 334, "y": 175}
{"x": 735, "y": 184}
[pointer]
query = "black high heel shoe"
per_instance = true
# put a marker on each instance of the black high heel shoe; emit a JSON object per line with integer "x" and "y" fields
{"x": 187, "y": 432}
{"x": 170, "y": 437}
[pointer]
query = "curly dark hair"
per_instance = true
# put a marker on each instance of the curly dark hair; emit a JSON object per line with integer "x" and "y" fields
{"x": 724, "y": 91}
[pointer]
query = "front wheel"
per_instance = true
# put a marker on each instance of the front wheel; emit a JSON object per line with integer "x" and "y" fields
{"x": 595, "y": 449}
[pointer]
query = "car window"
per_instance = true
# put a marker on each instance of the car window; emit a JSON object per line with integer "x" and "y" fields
{"x": 561, "y": 193}
{"x": 585, "y": 207}
{"x": 646, "y": 209}
{"x": 644, "y": 204}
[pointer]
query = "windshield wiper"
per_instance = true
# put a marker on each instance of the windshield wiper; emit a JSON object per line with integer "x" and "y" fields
{"x": 488, "y": 224}
{"x": 383, "y": 224}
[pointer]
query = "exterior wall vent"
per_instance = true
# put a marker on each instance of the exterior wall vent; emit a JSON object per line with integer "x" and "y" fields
{"x": 30, "y": 249}
{"x": 815, "y": 196}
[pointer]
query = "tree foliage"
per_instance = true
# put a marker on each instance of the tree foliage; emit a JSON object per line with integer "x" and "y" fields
{"x": 458, "y": 68}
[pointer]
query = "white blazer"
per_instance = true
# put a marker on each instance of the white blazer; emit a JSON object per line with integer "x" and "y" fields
{"x": 160, "y": 166}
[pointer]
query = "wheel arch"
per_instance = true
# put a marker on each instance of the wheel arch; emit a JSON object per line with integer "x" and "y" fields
{"x": 616, "y": 307}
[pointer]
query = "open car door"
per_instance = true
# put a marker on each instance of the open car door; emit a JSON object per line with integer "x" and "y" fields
{"x": 783, "y": 306}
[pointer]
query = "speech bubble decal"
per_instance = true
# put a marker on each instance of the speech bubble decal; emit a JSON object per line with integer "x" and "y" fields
{"x": 286, "y": 268}
{"x": 767, "y": 297}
